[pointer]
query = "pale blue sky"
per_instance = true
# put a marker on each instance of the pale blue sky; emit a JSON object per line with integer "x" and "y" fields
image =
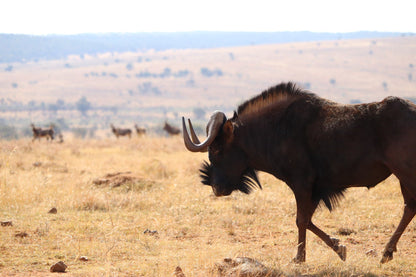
{"x": 92, "y": 16}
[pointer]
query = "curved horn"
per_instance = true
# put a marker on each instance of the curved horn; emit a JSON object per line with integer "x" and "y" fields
{"x": 213, "y": 127}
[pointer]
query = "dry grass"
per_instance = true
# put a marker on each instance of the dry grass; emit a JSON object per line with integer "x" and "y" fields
{"x": 194, "y": 229}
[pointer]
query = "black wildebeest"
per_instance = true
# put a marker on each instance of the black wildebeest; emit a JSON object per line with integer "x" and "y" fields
{"x": 172, "y": 130}
{"x": 39, "y": 132}
{"x": 120, "y": 132}
{"x": 139, "y": 131}
{"x": 318, "y": 147}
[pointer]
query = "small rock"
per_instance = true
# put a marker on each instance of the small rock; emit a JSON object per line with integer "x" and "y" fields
{"x": 58, "y": 267}
{"x": 244, "y": 267}
{"x": 21, "y": 234}
{"x": 53, "y": 211}
{"x": 37, "y": 164}
{"x": 6, "y": 223}
{"x": 178, "y": 272}
{"x": 371, "y": 252}
{"x": 150, "y": 232}
{"x": 83, "y": 258}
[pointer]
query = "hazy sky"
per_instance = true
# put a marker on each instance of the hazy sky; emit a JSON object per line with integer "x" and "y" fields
{"x": 92, "y": 16}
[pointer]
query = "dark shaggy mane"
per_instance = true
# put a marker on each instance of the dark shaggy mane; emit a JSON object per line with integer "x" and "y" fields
{"x": 284, "y": 92}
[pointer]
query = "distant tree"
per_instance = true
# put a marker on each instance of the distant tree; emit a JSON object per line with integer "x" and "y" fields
{"x": 9, "y": 68}
{"x": 63, "y": 125}
{"x": 15, "y": 85}
{"x": 190, "y": 83}
{"x": 385, "y": 86}
{"x": 199, "y": 113}
{"x": 182, "y": 73}
{"x": 306, "y": 85}
{"x": 332, "y": 81}
{"x": 129, "y": 66}
{"x": 166, "y": 72}
{"x": 410, "y": 77}
{"x": 231, "y": 55}
{"x": 80, "y": 132}
{"x": 7, "y": 132}
{"x": 83, "y": 105}
{"x": 53, "y": 107}
{"x": 209, "y": 73}
{"x": 60, "y": 103}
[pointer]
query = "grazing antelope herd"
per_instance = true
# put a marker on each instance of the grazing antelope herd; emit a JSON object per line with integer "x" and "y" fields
{"x": 50, "y": 133}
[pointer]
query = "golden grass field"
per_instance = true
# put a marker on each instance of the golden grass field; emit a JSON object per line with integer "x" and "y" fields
{"x": 195, "y": 229}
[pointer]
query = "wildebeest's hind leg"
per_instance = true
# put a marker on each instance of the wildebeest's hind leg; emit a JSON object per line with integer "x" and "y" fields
{"x": 340, "y": 249}
{"x": 408, "y": 214}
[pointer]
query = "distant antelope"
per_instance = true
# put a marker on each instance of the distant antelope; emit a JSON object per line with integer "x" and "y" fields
{"x": 61, "y": 138}
{"x": 120, "y": 132}
{"x": 39, "y": 132}
{"x": 139, "y": 131}
{"x": 171, "y": 129}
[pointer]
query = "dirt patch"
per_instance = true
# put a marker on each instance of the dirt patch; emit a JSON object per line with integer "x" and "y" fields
{"x": 122, "y": 178}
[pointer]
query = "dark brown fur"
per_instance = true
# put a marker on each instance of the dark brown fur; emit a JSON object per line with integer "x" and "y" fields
{"x": 320, "y": 149}
{"x": 42, "y": 133}
{"x": 139, "y": 131}
{"x": 171, "y": 130}
{"x": 120, "y": 132}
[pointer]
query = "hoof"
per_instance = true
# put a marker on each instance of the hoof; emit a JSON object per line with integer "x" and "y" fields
{"x": 387, "y": 257}
{"x": 298, "y": 260}
{"x": 342, "y": 252}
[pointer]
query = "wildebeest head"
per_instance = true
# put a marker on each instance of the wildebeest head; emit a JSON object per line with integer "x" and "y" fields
{"x": 228, "y": 169}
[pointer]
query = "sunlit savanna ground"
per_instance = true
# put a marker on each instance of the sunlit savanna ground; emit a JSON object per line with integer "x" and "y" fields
{"x": 194, "y": 229}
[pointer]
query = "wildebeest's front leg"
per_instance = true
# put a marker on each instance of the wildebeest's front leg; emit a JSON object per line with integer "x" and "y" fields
{"x": 305, "y": 209}
{"x": 340, "y": 249}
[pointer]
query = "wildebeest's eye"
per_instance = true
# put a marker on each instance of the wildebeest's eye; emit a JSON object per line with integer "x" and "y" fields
{"x": 205, "y": 173}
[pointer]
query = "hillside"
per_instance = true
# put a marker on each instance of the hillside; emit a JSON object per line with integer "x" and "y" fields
{"x": 148, "y": 87}
{"x": 13, "y": 48}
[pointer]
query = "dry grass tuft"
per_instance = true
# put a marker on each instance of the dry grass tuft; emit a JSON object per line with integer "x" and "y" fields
{"x": 163, "y": 218}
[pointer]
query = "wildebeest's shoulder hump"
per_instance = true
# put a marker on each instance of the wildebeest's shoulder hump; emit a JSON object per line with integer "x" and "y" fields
{"x": 284, "y": 92}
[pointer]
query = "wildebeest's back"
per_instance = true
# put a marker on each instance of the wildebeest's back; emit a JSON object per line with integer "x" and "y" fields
{"x": 349, "y": 143}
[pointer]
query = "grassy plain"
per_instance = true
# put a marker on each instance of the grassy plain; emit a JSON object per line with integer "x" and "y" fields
{"x": 194, "y": 228}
